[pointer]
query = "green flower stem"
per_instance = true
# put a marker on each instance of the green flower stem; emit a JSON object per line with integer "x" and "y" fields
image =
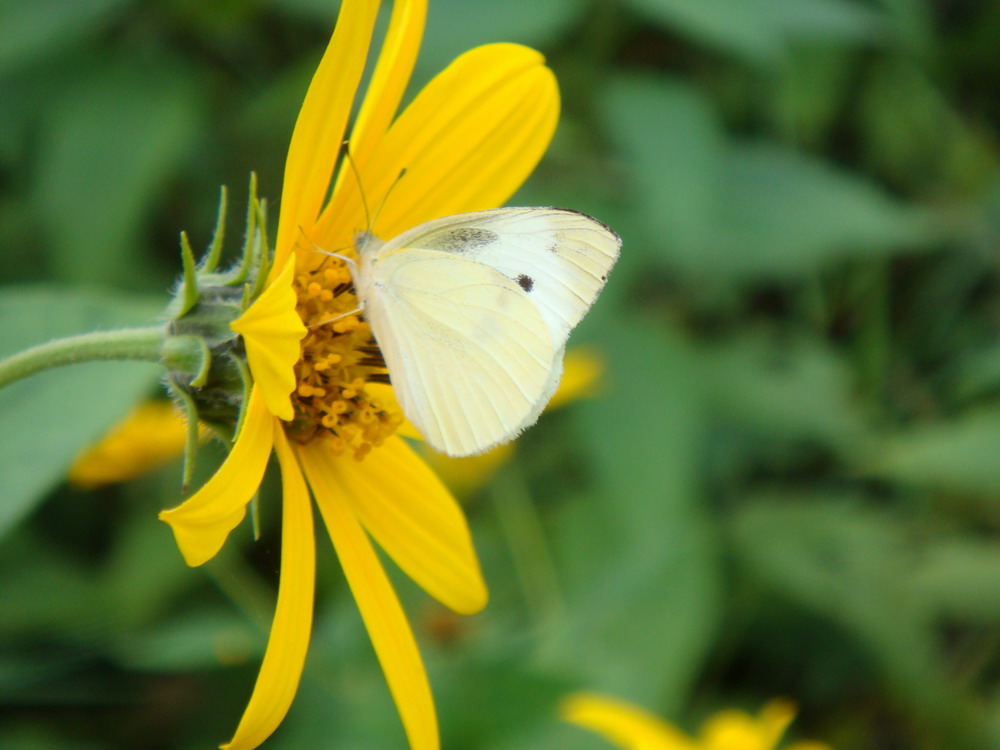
{"x": 142, "y": 344}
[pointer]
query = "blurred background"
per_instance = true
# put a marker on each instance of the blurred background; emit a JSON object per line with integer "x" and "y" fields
{"x": 785, "y": 483}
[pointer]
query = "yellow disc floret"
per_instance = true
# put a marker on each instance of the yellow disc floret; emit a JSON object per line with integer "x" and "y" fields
{"x": 339, "y": 357}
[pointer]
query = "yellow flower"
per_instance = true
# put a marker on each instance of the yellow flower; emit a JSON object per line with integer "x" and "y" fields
{"x": 150, "y": 435}
{"x": 320, "y": 398}
{"x": 630, "y": 727}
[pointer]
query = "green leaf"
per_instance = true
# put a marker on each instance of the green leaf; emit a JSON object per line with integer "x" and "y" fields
{"x": 959, "y": 578}
{"x": 40, "y": 28}
{"x": 760, "y": 32}
{"x": 733, "y": 26}
{"x": 114, "y": 139}
{"x": 959, "y": 455}
{"x": 203, "y": 638}
{"x": 645, "y": 608}
{"x": 673, "y": 140}
{"x": 48, "y": 418}
{"x": 785, "y": 390}
{"x": 785, "y": 213}
{"x": 519, "y": 698}
{"x": 854, "y": 566}
{"x": 829, "y": 20}
{"x": 756, "y": 209}
{"x": 454, "y": 26}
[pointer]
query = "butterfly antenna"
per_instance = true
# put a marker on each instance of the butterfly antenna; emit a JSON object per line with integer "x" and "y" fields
{"x": 385, "y": 198}
{"x": 351, "y": 263}
{"x": 357, "y": 178}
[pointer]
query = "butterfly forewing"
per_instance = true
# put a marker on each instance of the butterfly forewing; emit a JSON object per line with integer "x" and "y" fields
{"x": 560, "y": 258}
{"x": 468, "y": 354}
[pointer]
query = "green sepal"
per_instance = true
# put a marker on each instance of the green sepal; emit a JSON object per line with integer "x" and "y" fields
{"x": 211, "y": 261}
{"x": 247, "y": 382}
{"x": 255, "y": 516}
{"x": 189, "y": 294}
{"x": 189, "y": 355}
{"x": 204, "y": 356}
{"x": 250, "y": 242}
{"x": 263, "y": 251}
{"x": 191, "y": 442}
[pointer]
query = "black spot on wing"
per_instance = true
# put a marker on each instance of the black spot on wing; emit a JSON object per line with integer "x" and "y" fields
{"x": 527, "y": 283}
{"x": 460, "y": 239}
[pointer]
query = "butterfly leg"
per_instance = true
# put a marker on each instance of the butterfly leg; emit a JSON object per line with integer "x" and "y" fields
{"x": 352, "y": 265}
{"x": 359, "y": 309}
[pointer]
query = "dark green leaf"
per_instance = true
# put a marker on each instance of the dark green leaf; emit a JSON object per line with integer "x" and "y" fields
{"x": 39, "y": 28}
{"x": 48, "y": 418}
{"x": 958, "y": 455}
{"x": 644, "y": 607}
{"x": 114, "y": 140}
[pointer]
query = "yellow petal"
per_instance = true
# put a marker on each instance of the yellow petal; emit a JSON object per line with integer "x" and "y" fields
{"x": 392, "y": 73}
{"x": 623, "y": 724}
{"x": 384, "y": 618}
{"x": 289, "y": 639}
{"x": 467, "y": 142}
{"x": 202, "y": 522}
{"x": 152, "y": 434}
{"x": 415, "y": 519}
{"x": 775, "y": 718}
{"x": 271, "y": 331}
{"x": 319, "y": 129}
{"x": 736, "y": 728}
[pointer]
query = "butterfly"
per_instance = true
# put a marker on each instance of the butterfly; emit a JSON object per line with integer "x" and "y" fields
{"x": 472, "y": 313}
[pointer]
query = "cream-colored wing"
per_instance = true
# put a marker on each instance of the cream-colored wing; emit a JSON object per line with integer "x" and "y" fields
{"x": 469, "y": 355}
{"x": 560, "y": 258}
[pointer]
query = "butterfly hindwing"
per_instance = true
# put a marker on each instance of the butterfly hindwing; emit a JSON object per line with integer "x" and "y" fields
{"x": 468, "y": 354}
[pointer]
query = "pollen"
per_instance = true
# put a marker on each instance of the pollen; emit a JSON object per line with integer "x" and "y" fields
{"x": 339, "y": 358}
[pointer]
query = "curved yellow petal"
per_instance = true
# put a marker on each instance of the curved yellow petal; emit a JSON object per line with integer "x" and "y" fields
{"x": 415, "y": 519}
{"x": 271, "y": 331}
{"x": 467, "y": 142}
{"x": 736, "y": 728}
{"x": 319, "y": 130}
{"x": 775, "y": 718}
{"x": 202, "y": 522}
{"x": 625, "y": 725}
{"x": 392, "y": 73}
{"x": 384, "y": 618}
{"x": 289, "y": 639}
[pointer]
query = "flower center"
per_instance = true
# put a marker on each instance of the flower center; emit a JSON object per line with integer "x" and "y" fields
{"x": 339, "y": 358}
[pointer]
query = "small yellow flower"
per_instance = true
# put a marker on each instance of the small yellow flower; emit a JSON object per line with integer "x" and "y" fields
{"x": 632, "y": 728}
{"x": 320, "y": 398}
{"x": 151, "y": 435}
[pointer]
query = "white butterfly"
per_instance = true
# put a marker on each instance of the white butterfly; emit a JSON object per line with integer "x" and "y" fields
{"x": 472, "y": 312}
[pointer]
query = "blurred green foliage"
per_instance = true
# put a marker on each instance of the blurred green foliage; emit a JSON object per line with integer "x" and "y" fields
{"x": 789, "y": 485}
